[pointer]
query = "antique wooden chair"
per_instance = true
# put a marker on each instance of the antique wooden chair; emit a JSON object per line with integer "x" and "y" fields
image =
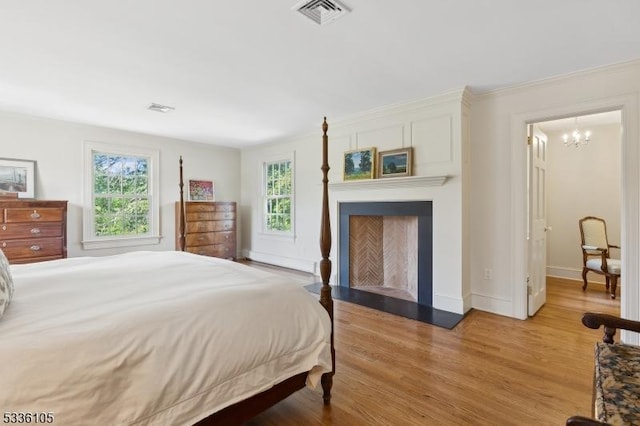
{"x": 616, "y": 378}
{"x": 596, "y": 252}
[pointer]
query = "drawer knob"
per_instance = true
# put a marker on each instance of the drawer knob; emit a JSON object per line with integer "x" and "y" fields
{"x": 35, "y": 247}
{"x": 35, "y": 215}
{"x": 4, "y": 244}
{"x": 4, "y": 227}
{"x": 35, "y": 230}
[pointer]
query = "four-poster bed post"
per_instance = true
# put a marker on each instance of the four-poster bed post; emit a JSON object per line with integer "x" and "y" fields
{"x": 325, "y": 263}
{"x": 181, "y": 238}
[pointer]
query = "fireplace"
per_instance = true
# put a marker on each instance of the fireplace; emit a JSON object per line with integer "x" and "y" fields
{"x": 387, "y": 248}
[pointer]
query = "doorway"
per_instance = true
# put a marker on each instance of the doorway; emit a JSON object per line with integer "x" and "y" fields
{"x": 575, "y": 178}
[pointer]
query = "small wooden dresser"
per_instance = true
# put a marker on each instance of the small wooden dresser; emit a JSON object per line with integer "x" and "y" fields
{"x": 210, "y": 228}
{"x": 33, "y": 230}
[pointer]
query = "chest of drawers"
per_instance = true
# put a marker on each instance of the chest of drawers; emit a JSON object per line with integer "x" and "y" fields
{"x": 210, "y": 228}
{"x": 33, "y": 230}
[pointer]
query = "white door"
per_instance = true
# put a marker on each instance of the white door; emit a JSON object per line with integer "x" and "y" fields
{"x": 537, "y": 285}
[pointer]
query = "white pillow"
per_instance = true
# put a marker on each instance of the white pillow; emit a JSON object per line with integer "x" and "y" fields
{"x": 6, "y": 283}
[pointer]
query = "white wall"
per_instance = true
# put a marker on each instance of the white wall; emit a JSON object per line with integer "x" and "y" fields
{"x": 57, "y": 146}
{"x": 498, "y": 219}
{"x": 435, "y": 128}
{"x": 582, "y": 181}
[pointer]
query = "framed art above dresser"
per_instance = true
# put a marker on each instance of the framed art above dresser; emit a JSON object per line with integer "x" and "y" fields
{"x": 33, "y": 230}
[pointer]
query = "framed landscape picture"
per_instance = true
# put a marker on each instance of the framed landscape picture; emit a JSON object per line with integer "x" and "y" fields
{"x": 201, "y": 190}
{"x": 395, "y": 163}
{"x": 359, "y": 164}
{"x": 18, "y": 176}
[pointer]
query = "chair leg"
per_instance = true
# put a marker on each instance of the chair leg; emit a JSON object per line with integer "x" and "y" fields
{"x": 607, "y": 282}
{"x": 584, "y": 278}
{"x": 614, "y": 286}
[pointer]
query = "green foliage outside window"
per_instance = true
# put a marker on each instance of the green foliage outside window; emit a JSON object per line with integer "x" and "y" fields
{"x": 120, "y": 195}
{"x": 278, "y": 191}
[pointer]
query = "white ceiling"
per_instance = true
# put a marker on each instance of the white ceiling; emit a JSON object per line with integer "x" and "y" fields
{"x": 246, "y": 72}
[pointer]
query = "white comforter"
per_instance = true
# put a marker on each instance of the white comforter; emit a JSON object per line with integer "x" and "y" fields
{"x": 161, "y": 338}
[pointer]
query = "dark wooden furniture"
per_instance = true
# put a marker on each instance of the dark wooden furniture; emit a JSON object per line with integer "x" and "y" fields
{"x": 210, "y": 228}
{"x": 33, "y": 230}
{"x": 244, "y": 410}
{"x": 610, "y": 325}
{"x": 596, "y": 253}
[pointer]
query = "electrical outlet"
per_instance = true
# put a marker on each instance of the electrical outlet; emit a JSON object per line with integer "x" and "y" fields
{"x": 488, "y": 274}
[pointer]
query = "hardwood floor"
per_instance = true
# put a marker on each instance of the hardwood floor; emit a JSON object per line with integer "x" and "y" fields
{"x": 489, "y": 370}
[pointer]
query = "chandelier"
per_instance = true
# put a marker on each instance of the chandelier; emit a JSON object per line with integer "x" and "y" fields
{"x": 577, "y": 138}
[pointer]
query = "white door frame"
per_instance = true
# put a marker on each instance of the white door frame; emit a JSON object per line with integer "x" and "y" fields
{"x": 630, "y": 190}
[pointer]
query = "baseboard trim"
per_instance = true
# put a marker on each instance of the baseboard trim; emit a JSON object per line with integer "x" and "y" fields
{"x": 492, "y": 305}
{"x": 285, "y": 262}
{"x": 572, "y": 274}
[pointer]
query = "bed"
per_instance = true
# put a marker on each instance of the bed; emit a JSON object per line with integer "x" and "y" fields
{"x": 168, "y": 338}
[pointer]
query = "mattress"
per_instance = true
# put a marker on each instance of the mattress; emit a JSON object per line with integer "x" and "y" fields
{"x": 152, "y": 338}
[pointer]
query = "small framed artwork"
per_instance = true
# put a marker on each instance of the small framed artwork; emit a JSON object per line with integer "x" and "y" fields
{"x": 201, "y": 190}
{"x": 18, "y": 176}
{"x": 359, "y": 164}
{"x": 395, "y": 163}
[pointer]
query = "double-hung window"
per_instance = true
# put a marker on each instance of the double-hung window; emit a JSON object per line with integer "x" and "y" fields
{"x": 278, "y": 196}
{"x": 121, "y": 202}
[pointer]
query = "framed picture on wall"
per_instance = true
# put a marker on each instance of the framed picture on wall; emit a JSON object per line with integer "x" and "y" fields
{"x": 395, "y": 163}
{"x": 201, "y": 190}
{"x": 359, "y": 164}
{"x": 18, "y": 176}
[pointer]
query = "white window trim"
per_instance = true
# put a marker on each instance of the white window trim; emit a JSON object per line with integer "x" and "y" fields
{"x": 263, "y": 216}
{"x": 89, "y": 240}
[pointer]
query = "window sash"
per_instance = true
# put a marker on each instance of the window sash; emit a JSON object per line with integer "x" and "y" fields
{"x": 121, "y": 209}
{"x": 278, "y": 196}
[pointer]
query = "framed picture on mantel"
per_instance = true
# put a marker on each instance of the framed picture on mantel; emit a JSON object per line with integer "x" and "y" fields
{"x": 359, "y": 164}
{"x": 17, "y": 176}
{"x": 395, "y": 163}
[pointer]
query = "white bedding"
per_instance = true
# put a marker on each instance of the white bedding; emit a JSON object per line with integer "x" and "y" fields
{"x": 173, "y": 340}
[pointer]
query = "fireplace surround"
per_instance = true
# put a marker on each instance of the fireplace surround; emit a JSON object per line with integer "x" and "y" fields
{"x": 420, "y": 210}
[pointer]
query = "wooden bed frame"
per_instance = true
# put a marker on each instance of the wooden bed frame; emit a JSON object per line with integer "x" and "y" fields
{"x": 245, "y": 410}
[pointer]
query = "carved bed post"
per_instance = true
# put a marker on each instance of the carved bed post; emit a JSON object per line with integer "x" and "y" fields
{"x": 325, "y": 263}
{"x": 181, "y": 240}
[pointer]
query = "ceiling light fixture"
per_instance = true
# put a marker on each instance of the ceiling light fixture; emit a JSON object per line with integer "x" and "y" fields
{"x": 321, "y": 11}
{"x": 160, "y": 108}
{"x": 577, "y": 137}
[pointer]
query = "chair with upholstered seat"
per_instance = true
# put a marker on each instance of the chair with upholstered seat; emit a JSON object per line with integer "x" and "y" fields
{"x": 596, "y": 253}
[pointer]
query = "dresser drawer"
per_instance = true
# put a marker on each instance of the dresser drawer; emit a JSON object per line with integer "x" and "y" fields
{"x": 35, "y": 247}
{"x": 217, "y": 250}
{"x": 43, "y": 214}
{"x": 228, "y": 237}
{"x": 192, "y": 227}
{"x": 224, "y": 225}
{"x": 199, "y": 239}
{"x": 30, "y": 230}
{"x": 204, "y": 216}
{"x": 199, "y": 207}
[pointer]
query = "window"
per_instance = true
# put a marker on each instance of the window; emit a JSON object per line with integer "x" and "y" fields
{"x": 278, "y": 196}
{"x": 122, "y": 206}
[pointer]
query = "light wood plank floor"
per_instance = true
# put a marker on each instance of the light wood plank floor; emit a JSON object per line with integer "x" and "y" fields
{"x": 489, "y": 370}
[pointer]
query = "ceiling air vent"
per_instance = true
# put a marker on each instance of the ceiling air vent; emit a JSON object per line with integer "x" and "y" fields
{"x": 160, "y": 108}
{"x": 321, "y": 11}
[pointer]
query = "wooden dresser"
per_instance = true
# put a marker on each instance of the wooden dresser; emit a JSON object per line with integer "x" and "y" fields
{"x": 33, "y": 230}
{"x": 210, "y": 228}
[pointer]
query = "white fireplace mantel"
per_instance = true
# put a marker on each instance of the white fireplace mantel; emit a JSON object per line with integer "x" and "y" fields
{"x": 399, "y": 182}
